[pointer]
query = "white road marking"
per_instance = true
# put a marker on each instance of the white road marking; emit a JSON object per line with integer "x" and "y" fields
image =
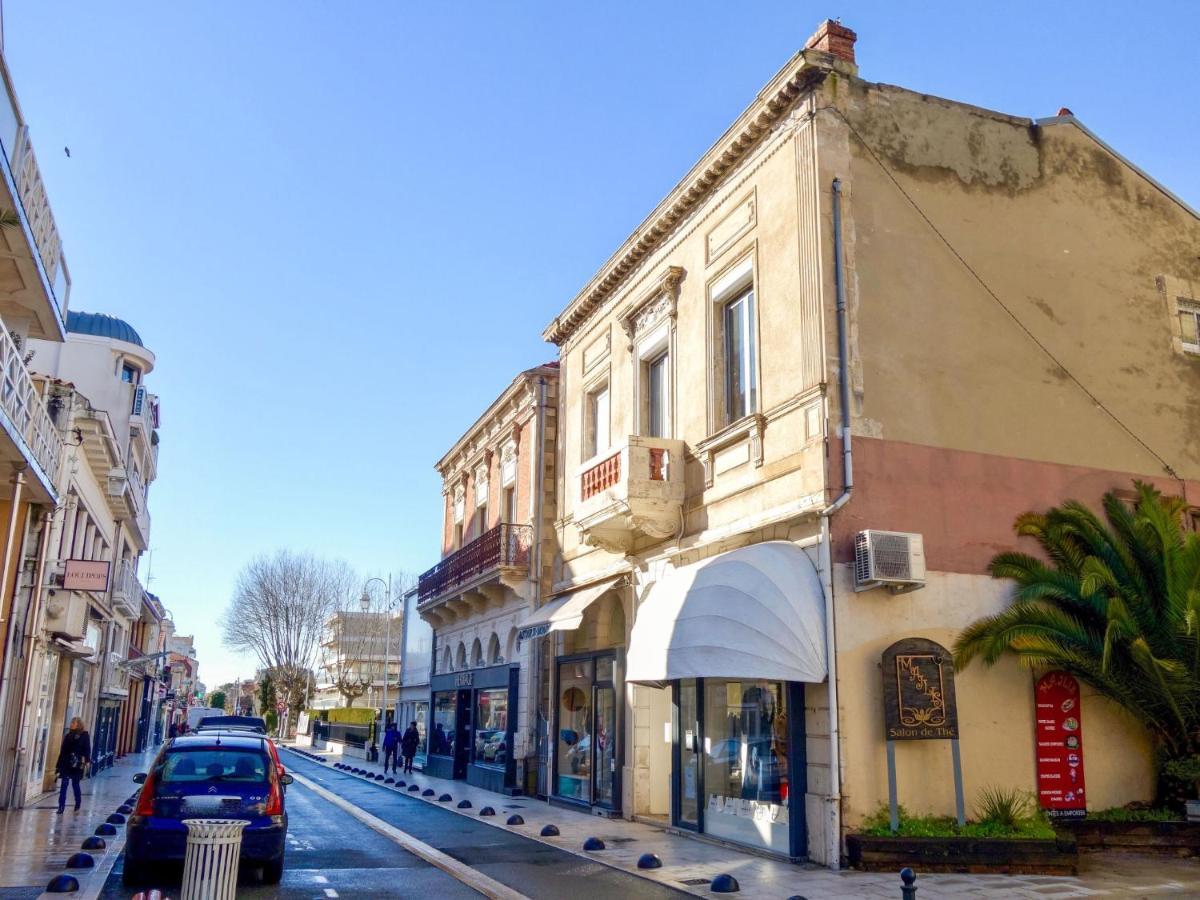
{"x": 320, "y": 879}
{"x": 477, "y": 881}
{"x": 330, "y": 892}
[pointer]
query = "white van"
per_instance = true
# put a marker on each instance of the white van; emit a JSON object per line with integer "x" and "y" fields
{"x": 197, "y": 714}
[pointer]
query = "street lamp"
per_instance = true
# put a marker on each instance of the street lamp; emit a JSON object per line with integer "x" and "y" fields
{"x": 387, "y": 641}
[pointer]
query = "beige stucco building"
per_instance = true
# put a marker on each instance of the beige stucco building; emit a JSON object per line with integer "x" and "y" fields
{"x": 1019, "y": 321}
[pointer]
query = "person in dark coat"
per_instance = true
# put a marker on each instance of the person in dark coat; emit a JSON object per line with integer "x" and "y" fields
{"x": 408, "y": 746}
{"x": 73, "y": 758}
{"x": 391, "y": 744}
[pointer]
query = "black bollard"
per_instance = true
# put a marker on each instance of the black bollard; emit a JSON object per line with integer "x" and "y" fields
{"x": 909, "y": 889}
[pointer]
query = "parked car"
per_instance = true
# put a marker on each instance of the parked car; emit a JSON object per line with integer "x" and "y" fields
{"x": 255, "y": 724}
{"x": 223, "y": 775}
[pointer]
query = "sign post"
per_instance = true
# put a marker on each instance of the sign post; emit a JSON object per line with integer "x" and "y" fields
{"x": 1059, "y": 746}
{"x": 919, "y": 704}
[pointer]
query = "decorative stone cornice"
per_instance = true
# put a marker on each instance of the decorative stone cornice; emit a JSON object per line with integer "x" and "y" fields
{"x": 655, "y": 304}
{"x": 772, "y": 103}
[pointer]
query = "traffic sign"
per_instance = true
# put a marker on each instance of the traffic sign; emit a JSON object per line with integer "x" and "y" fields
{"x": 280, "y": 706}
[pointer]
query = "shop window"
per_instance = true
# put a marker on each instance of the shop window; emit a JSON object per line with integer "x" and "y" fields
{"x": 1188, "y": 311}
{"x": 445, "y": 721}
{"x": 491, "y": 727}
{"x": 574, "y": 731}
{"x": 745, "y": 746}
{"x": 421, "y": 717}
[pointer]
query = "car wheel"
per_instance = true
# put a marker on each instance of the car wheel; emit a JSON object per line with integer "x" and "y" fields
{"x": 272, "y": 871}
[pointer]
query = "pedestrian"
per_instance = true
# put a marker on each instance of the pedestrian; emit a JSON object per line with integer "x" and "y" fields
{"x": 173, "y": 730}
{"x": 408, "y": 746}
{"x": 73, "y": 759}
{"x": 391, "y": 743}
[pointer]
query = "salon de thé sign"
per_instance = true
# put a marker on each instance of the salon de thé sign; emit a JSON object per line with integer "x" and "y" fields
{"x": 918, "y": 691}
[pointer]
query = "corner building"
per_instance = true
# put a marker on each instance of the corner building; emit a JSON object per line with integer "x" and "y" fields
{"x": 789, "y": 351}
{"x": 497, "y": 542}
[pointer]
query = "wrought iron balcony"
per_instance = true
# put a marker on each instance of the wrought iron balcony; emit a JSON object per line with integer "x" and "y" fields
{"x": 504, "y": 547}
{"x": 636, "y": 492}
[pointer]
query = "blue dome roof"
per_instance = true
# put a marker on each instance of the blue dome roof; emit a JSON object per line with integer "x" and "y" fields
{"x": 102, "y": 325}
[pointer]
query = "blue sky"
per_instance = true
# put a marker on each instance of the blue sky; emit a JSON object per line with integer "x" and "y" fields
{"x": 342, "y": 226}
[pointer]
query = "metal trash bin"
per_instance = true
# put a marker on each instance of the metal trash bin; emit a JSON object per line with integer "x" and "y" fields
{"x": 210, "y": 865}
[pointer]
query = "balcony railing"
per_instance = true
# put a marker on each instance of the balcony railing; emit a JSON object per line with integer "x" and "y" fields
{"x": 601, "y": 476}
{"x": 127, "y": 590}
{"x": 636, "y": 493}
{"x": 504, "y": 545}
{"x": 25, "y": 409}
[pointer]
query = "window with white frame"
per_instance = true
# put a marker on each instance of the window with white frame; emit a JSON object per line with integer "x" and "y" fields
{"x": 1189, "y": 323}
{"x": 597, "y": 437}
{"x": 741, "y": 388}
{"x": 510, "y": 505}
{"x": 653, "y": 382}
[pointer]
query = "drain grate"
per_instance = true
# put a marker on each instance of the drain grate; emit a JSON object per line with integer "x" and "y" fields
{"x": 619, "y": 840}
{"x": 514, "y": 806}
{"x": 695, "y": 881}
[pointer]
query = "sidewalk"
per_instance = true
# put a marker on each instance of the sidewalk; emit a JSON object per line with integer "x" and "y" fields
{"x": 35, "y": 842}
{"x": 689, "y": 864}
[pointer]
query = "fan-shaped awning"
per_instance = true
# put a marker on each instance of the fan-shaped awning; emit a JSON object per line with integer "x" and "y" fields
{"x": 754, "y": 612}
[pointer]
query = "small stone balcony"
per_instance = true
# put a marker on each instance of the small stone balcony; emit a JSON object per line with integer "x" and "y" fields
{"x": 633, "y": 493}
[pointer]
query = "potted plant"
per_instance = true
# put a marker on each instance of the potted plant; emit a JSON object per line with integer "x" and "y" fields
{"x": 1187, "y": 769}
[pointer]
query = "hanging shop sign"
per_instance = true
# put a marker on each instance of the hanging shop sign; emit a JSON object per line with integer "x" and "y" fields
{"x": 1059, "y": 746}
{"x": 918, "y": 691}
{"x": 85, "y": 575}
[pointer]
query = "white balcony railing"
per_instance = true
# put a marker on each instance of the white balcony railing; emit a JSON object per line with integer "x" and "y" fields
{"x": 127, "y": 590}
{"x": 25, "y": 409}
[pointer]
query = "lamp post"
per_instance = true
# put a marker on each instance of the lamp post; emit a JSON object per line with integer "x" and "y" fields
{"x": 387, "y": 641}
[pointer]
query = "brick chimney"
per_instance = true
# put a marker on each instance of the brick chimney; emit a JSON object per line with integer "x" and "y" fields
{"x": 833, "y": 37}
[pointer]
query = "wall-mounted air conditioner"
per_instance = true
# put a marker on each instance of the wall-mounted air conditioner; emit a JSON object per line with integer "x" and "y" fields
{"x": 891, "y": 559}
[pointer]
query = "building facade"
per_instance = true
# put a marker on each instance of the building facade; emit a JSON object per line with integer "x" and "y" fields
{"x": 358, "y": 659}
{"x": 864, "y": 309}
{"x": 497, "y": 539}
{"x": 416, "y": 665}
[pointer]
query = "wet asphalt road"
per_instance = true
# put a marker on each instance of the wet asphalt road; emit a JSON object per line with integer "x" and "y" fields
{"x": 332, "y": 854}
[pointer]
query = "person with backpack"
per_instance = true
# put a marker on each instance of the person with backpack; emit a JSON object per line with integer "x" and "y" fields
{"x": 73, "y": 758}
{"x": 408, "y": 746}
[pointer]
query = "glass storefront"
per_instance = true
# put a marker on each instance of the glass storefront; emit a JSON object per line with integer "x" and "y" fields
{"x": 586, "y": 757}
{"x": 491, "y": 727}
{"x": 445, "y": 710}
{"x": 733, "y": 752}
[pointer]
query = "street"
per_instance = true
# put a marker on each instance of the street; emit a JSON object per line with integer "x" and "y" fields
{"x": 331, "y": 853}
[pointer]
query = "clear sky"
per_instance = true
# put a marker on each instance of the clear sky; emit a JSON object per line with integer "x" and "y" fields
{"x": 342, "y": 226}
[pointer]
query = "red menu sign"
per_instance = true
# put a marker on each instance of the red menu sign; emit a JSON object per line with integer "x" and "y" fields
{"x": 1059, "y": 746}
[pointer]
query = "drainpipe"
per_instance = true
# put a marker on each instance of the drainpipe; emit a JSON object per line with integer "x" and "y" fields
{"x": 834, "y": 821}
{"x": 535, "y": 648}
{"x": 32, "y": 627}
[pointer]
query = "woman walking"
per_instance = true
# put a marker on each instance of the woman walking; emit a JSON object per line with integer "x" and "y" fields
{"x": 73, "y": 759}
{"x": 408, "y": 746}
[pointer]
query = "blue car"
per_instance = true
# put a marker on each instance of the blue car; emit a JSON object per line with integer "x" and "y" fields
{"x": 209, "y": 776}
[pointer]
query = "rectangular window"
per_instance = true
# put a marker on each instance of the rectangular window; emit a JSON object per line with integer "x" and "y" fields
{"x": 510, "y": 504}
{"x": 481, "y": 519}
{"x": 445, "y": 720}
{"x": 597, "y": 425}
{"x": 657, "y": 403}
{"x": 458, "y": 535}
{"x": 741, "y": 390}
{"x": 1189, "y": 324}
{"x": 491, "y": 727}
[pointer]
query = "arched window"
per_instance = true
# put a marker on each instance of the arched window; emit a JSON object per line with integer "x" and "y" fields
{"x": 476, "y": 654}
{"x": 460, "y": 657}
{"x": 510, "y": 646}
{"x": 447, "y": 662}
{"x": 494, "y": 657}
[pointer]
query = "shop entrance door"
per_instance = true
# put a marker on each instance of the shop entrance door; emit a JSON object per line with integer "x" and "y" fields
{"x": 689, "y": 759}
{"x": 604, "y": 770}
{"x": 462, "y": 741}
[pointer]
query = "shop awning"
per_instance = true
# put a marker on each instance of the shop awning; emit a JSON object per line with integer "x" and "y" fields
{"x": 73, "y": 649}
{"x": 755, "y": 612}
{"x": 565, "y": 613}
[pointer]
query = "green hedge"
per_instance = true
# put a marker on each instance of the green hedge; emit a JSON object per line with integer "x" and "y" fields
{"x": 352, "y": 716}
{"x": 315, "y": 714}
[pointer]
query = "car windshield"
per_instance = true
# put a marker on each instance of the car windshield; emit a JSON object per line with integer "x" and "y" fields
{"x": 216, "y": 764}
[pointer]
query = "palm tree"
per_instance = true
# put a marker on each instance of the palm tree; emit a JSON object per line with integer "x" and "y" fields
{"x": 1115, "y": 604}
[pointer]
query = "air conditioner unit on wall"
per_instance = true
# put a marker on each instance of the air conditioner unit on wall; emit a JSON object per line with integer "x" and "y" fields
{"x": 891, "y": 559}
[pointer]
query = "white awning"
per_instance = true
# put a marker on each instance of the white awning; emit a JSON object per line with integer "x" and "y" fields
{"x": 754, "y": 612}
{"x": 563, "y": 614}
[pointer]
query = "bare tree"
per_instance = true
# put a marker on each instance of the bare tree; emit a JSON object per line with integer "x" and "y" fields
{"x": 352, "y": 648}
{"x": 279, "y": 608}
